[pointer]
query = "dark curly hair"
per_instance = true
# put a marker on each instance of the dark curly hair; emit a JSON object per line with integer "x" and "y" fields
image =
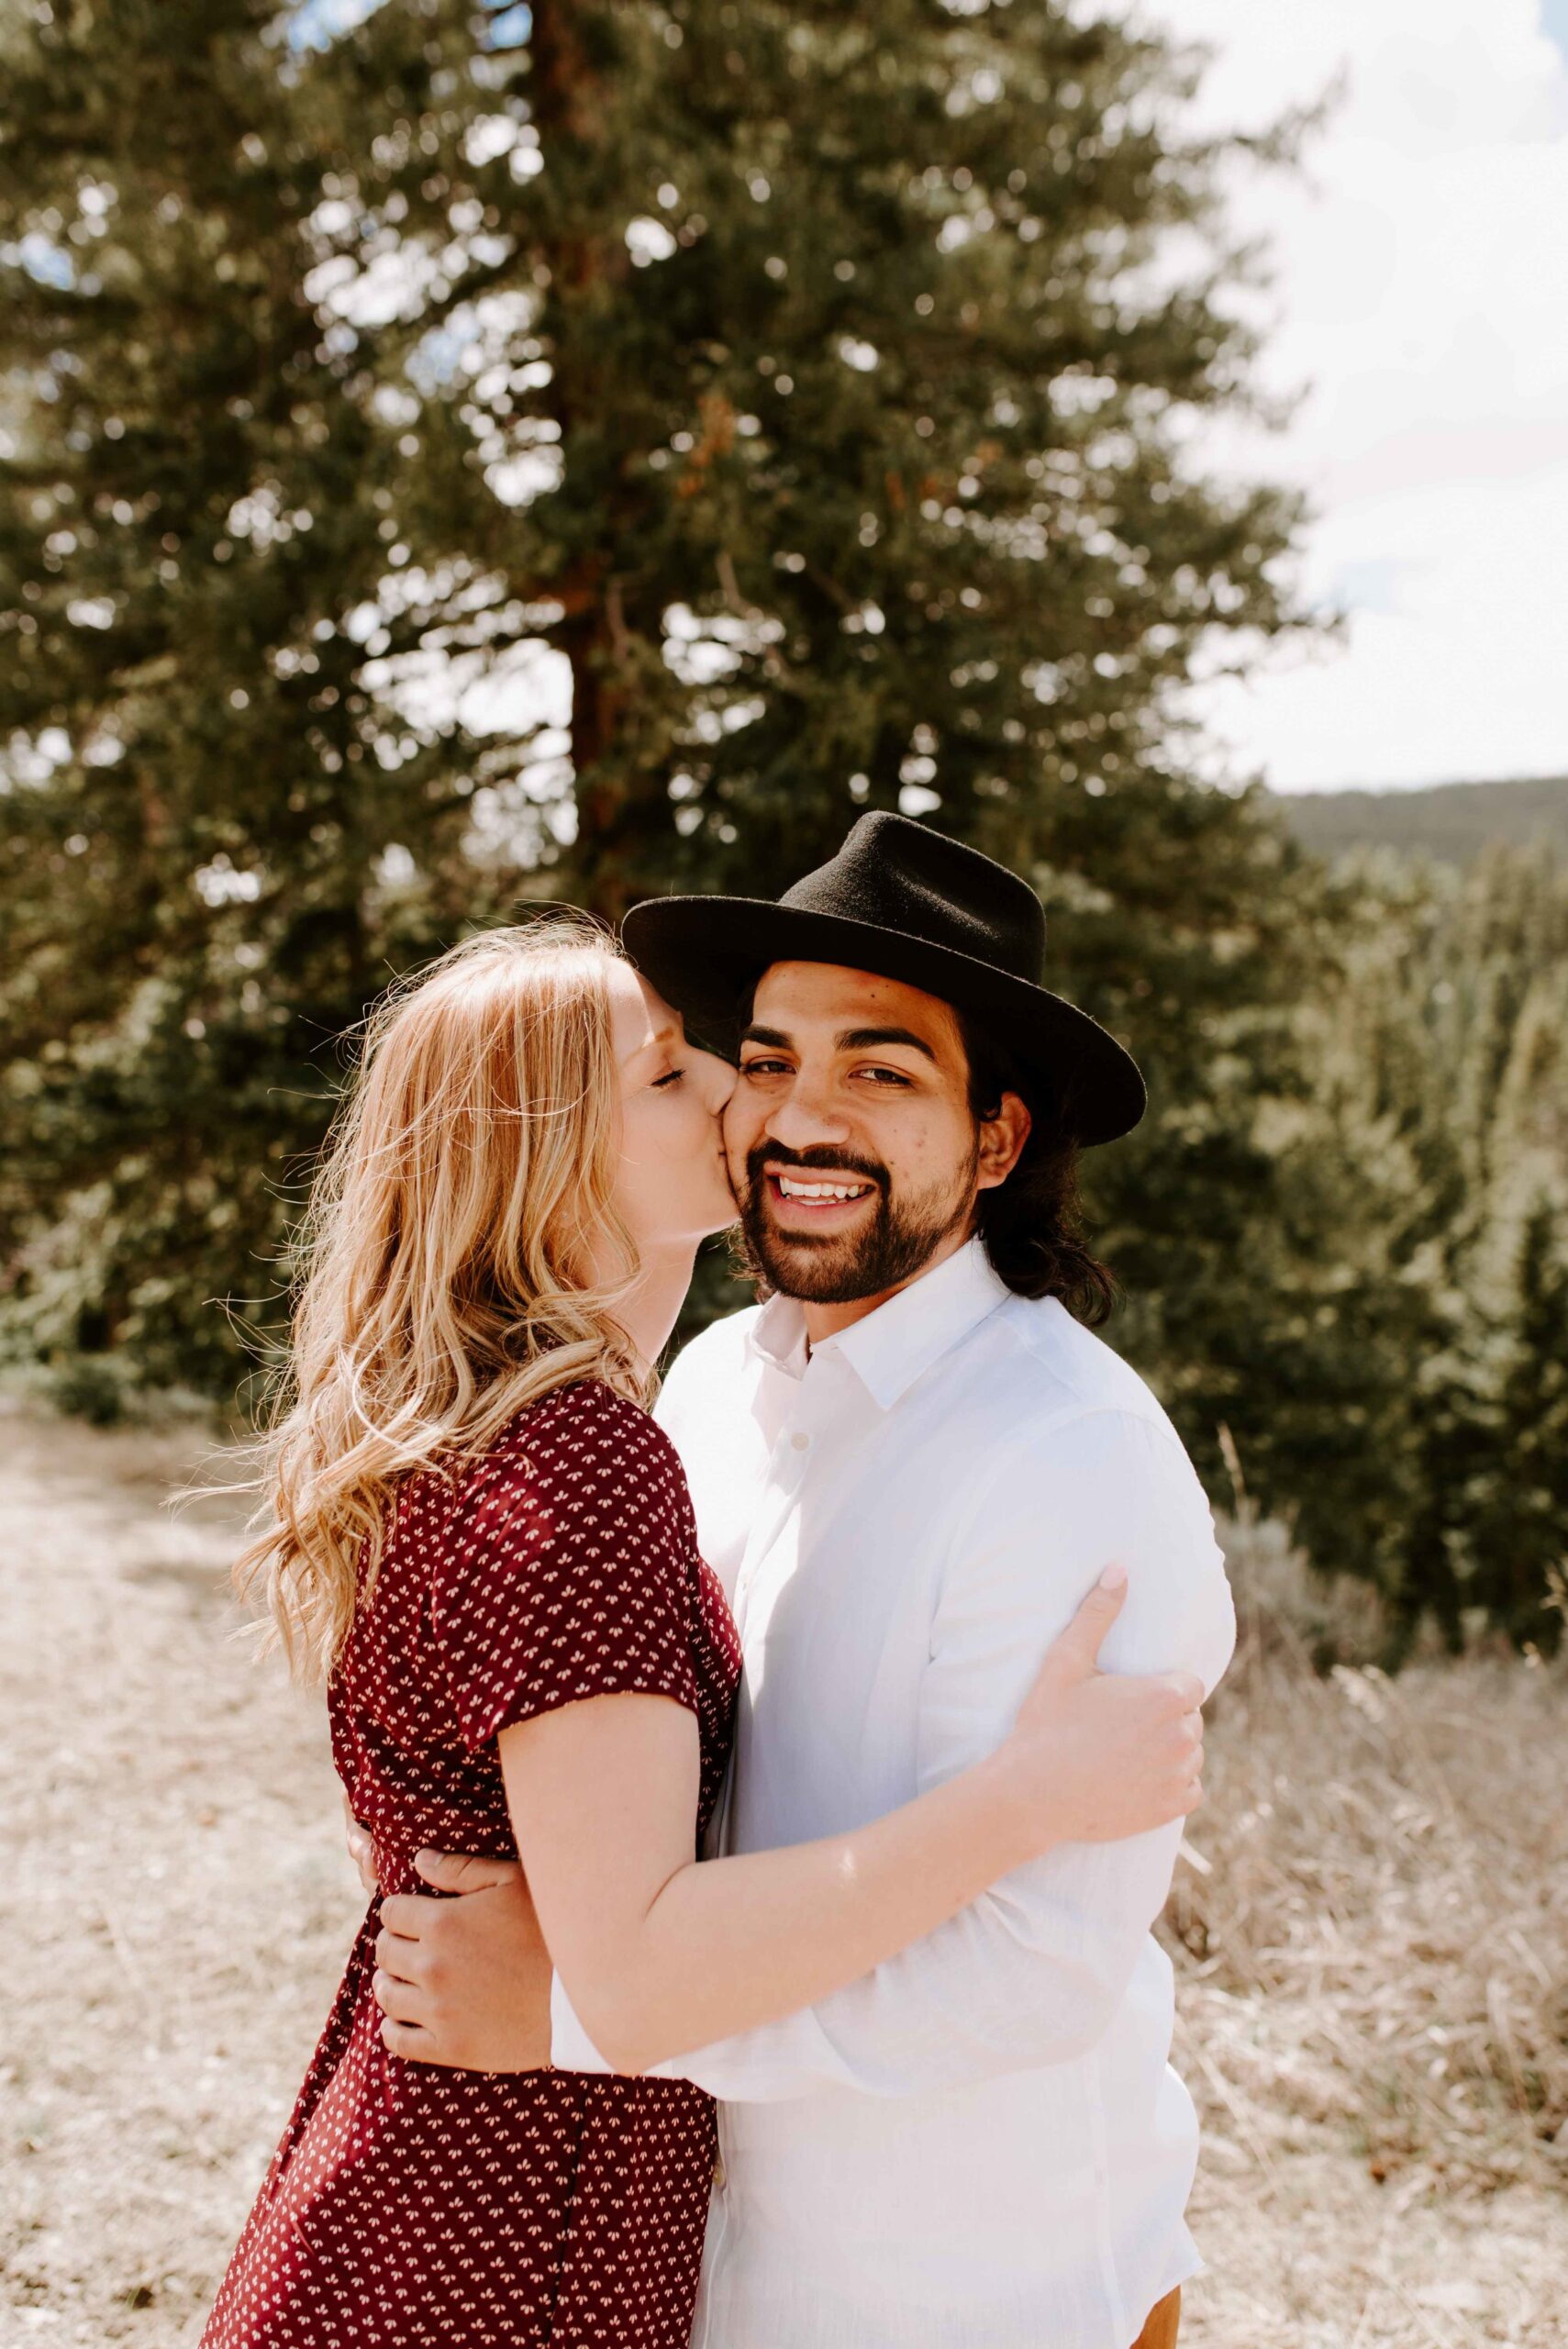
{"x": 1032, "y": 1224}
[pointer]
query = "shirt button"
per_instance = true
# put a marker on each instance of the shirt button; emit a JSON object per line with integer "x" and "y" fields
{"x": 801, "y": 1441}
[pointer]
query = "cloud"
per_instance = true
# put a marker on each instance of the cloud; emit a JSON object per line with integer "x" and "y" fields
{"x": 1421, "y": 288}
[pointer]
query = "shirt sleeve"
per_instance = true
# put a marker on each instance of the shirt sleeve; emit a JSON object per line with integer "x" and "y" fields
{"x": 565, "y": 1567}
{"x": 1034, "y": 1971}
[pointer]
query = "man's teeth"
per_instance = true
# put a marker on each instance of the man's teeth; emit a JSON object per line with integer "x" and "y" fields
{"x": 822, "y": 1190}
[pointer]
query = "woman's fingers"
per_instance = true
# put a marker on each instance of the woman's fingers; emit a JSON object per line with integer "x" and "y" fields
{"x": 1075, "y": 1652}
{"x": 1115, "y": 1754}
{"x": 1185, "y": 1751}
{"x": 361, "y": 1847}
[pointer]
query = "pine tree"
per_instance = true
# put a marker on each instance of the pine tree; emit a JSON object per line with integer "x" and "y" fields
{"x": 1511, "y": 1556}
{"x": 1437, "y": 1120}
{"x": 869, "y": 403}
{"x": 227, "y": 522}
{"x": 871, "y": 414}
{"x": 1516, "y": 1554}
{"x": 802, "y": 389}
{"x": 814, "y": 393}
{"x": 601, "y": 448}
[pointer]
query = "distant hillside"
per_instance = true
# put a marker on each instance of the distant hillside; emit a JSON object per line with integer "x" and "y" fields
{"x": 1454, "y": 821}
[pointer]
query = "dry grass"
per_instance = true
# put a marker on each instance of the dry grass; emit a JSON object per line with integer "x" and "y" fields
{"x": 1373, "y": 1941}
{"x": 1373, "y": 1936}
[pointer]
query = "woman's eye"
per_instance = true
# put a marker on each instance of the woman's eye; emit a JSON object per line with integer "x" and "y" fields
{"x": 674, "y": 1078}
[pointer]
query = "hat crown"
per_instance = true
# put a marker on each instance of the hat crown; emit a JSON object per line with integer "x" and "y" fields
{"x": 905, "y": 903}
{"x": 901, "y": 875}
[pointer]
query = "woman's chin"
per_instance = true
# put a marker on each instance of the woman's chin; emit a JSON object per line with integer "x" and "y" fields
{"x": 715, "y": 1220}
{"x": 725, "y": 1211}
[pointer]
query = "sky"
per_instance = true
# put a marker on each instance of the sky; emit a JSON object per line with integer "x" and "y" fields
{"x": 1422, "y": 293}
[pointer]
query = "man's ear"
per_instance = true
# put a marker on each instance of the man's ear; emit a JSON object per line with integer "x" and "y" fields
{"x": 1002, "y": 1139}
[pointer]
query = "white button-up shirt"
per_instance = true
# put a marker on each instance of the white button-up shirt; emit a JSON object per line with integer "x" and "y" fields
{"x": 981, "y": 2144}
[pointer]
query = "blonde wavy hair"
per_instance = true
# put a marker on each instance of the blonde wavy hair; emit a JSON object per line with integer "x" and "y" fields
{"x": 453, "y": 1260}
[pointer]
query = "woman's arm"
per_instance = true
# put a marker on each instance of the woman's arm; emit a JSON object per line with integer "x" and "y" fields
{"x": 1034, "y": 1970}
{"x": 660, "y": 1955}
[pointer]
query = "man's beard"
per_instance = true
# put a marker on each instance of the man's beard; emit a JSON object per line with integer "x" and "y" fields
{"x": 897, "y": 1241}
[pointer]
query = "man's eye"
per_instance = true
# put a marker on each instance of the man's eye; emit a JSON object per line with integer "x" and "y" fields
{"x": 764, "y": 1068}
{"x": 885, "y": 1076}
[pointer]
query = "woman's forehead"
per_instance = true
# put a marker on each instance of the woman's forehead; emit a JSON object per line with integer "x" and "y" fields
{"x": 640, "y": 1016}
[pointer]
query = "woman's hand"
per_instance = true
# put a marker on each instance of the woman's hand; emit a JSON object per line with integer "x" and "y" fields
{"x": 1095, "y": 1756}
{"x": 361, "y": 1849}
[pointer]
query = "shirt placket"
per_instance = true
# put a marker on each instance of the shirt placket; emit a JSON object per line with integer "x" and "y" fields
{"x": 789, "y": 1463}
{"x": 795, "y": 1447}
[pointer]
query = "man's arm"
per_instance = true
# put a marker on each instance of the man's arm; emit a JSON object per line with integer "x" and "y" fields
{"x": 1033, "y": 1971}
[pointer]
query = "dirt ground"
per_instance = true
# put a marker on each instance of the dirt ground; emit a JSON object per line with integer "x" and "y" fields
{"x": 1380, "y": 2168}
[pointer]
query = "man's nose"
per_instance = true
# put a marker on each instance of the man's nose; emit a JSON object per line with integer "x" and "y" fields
{"x": 805, "y": 1119}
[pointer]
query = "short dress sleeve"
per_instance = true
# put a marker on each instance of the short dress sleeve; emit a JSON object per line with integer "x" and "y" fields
{"x": 566, "y": 1570}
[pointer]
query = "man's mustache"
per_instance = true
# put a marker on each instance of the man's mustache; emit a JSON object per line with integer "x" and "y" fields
{"x": 819, "y": 1161}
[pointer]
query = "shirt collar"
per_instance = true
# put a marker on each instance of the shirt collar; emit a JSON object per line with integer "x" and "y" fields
{"x": 778, "y": 1335}
{"x": 899, "y": 1343}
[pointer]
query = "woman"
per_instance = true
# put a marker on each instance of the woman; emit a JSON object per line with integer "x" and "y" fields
{"x": 479, "y": 1534}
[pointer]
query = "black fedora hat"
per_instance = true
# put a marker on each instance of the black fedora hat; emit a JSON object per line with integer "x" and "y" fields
{"x": 906, "y": 902}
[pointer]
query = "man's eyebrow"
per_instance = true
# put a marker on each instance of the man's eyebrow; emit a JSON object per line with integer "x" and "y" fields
{"x": 853, "y": 1040}
{"x": 866, "y": 1039}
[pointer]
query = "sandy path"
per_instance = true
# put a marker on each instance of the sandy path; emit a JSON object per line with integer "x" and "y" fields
{"x": 181, "y": 1901}
{"x": 178, "y": 1909}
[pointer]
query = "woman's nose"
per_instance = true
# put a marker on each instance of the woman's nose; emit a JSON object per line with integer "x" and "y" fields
{"x": 719, "y": 1079}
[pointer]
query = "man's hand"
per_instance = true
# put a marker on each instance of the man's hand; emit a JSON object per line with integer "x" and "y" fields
{"x": 465, "y": 1982}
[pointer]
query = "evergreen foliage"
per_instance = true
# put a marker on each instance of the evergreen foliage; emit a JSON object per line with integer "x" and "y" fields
{"x": 1454, "y": 822}
{"x": 1422, "y": 1445}
{"x": 226, "y": 819}
{"x": 485, "y": 453}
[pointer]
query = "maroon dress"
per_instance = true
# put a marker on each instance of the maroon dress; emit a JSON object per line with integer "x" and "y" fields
{"x": 409, "y": 2204}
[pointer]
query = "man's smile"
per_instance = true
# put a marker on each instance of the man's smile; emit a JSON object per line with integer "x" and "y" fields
{"x": 805, "y": 1192}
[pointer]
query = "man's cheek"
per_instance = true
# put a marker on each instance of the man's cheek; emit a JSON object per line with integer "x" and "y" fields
{"x": 740, "y": 1137}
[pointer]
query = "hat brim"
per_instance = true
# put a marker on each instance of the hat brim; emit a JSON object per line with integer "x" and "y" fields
{"x": 704, "y": 954}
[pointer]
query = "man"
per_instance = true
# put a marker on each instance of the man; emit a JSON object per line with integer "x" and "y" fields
{"x": 907, "y": 1467}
